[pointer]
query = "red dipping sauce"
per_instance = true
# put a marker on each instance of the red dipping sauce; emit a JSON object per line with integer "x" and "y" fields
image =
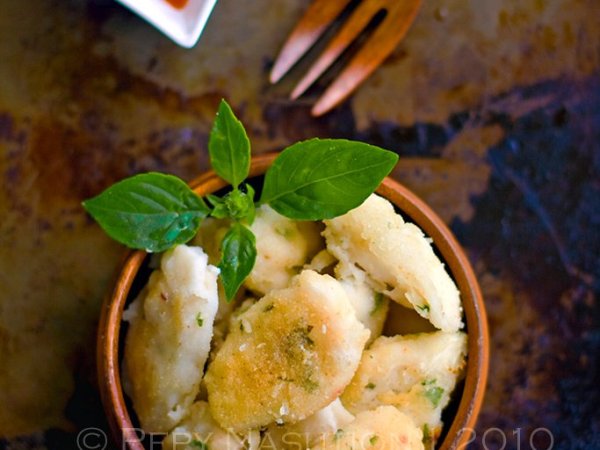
{"x": 179, "y": 4}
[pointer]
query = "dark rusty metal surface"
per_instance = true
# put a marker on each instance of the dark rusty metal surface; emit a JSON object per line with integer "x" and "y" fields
{"x": 493, "y": 106}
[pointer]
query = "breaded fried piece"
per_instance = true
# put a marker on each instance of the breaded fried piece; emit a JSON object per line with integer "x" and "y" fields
{"x": 371, "y": 307}
{"x": 384, "y": 428}
{"x": 199, "y": 430}
{"x": 415, "y": 373}
{"x": 398, "y": 258}
{"x": 283, "y": 247}
{"x": 307, "y": 432}
{"x": 170, "y": 329}
{"x": 293, "y": 352}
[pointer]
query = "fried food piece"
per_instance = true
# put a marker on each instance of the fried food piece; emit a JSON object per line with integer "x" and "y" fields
{"x": 384, "y": 428}
{"x": 292, "y": 353}
{"x": 371, "y": 307}
{"x": 170, "y": 329}
{"x": 415, "y": 373}
{"x": 199, "y": 428}
{"x": 398, "y": 258}
{"x": 307, "y": 432}
{"x": 283, "y": 247}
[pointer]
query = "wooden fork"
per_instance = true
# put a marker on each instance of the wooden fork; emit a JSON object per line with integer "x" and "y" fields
{"x": 319, "y": 15}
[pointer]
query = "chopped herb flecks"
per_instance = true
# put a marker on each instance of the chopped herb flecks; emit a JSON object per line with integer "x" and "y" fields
{"x": 199, "y": 444}
{"x": 301, "y": 336}
{"x": 426, "y": 433}
{"x": 310, "y": 385}
{"x": 298, "y": 347}
{"x": 370, "y": 386}
{"x": 199, "y": 320}
{"x": 373, "y": 439}
{"x": 432, "y": 392}
{"x": 286, "y": 232}
{"x": 378, "y": 302}
{"x": 423, "y": 308}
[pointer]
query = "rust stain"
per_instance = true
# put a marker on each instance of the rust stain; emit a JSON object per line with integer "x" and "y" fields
{"x": 72, "y": 164}
{"x": 52, "y": 151}
{"x": 125, "y": 83}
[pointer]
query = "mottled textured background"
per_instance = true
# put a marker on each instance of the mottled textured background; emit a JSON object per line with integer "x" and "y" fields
{"x": 493, "y": 106}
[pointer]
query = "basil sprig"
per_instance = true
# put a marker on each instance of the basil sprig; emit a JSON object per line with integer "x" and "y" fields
{"x": 310, "y": 180}
{"x": 238, "y": 250}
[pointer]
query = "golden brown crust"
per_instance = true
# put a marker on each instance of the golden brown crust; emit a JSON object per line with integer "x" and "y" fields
{"x": 414, "y": 373}
{"x": 293, "y": 353}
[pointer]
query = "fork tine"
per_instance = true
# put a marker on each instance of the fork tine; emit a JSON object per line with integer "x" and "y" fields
{"x": 357, "y": 22}
{"x": 311, "y": 27}
{"x": 379, "y": 45}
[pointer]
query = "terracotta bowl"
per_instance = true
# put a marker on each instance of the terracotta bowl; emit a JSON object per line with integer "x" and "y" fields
{"x": 469, "y": 396}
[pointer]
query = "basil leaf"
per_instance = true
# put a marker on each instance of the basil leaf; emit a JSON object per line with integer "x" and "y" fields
{"x": 229, "y": 147}
{"x": 238, "y": 254}
{"x": 151, "y": 211}
{"x": 322, "y": 179}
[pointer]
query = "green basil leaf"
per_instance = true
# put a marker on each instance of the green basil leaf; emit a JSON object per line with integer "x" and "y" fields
{"x": 322, "y": 179}
{"x": 229, "y": 147}
{"x": 238, "y": 254}
{"x": 151, "y": 211}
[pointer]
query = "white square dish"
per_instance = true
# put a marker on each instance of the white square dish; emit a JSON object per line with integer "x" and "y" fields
{"x": 183, "y": 25}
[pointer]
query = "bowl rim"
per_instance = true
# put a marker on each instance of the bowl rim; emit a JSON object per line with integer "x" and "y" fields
{"x": 459, "y": 432}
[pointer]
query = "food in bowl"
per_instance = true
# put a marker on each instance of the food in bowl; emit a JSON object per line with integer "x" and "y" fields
{"x": 170, "y": 331}
{"x": 286, "y": 357}
{"x": 297, "y": 350}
